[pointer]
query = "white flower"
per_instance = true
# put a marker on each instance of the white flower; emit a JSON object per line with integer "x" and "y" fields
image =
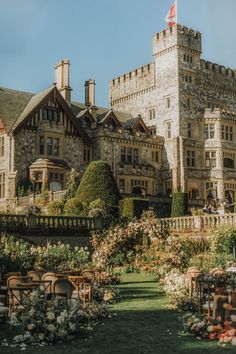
{"x": 72, "y": 326}
{"x": 233, "y": 318}
{"x": 233, "y": 342}
{"x": 60, "y": 319}
{"x": 51, "y": 328}
{"x": 50, "y": 316}
{"x": 31, "y": 312}
{"x": 30, "y": 326}
{"x": 64, "y": 313}
{"x": 41, "y": 336}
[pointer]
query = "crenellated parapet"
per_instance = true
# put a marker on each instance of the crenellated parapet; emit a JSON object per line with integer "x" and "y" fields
{"x": 134, "y": 74}
{"x": 132, "y": 83}
{"x": 217, "y": 69}
{"x": 177, "y": 36}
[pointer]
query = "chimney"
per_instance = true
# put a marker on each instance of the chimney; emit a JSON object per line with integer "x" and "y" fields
{"x": 62, "y": 79}
{"x": 89, "y": 93}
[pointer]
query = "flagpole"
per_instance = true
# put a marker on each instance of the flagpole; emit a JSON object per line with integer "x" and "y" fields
{"x": 176, "y": 5}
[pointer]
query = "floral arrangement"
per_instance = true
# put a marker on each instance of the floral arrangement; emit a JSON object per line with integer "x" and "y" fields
{"x": 107, "y": 278}
{"x": 55, "y": 321}
{"x": 107, "y": 295}
{"x": 204, "y": 328}
{"x": 22, "y": 255}
{"x": 175, "y": 285}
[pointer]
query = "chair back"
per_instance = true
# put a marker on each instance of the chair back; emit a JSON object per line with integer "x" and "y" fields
{"x": 10, "y": 274}
{"x": 89, "y": 274}
{"x": 192, "y": 273}
{"x": 34, "y": 275}
{"x": 50, "y": 276}
{"x": 218, "y": 272}
{"x": 14, "y": 281}
{"x": 63, "y": 287}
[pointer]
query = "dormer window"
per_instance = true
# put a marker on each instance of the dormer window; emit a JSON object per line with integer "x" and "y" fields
{"x": 87, "y": 123}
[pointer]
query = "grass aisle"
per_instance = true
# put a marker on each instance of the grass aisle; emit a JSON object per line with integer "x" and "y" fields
{"x": 143, "y": 325}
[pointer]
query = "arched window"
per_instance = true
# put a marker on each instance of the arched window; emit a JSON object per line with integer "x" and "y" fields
{"x": 228, "y": 163}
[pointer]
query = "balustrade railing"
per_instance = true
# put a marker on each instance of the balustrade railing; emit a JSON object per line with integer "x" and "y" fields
{"x": 38, "y": 223}
{"x": 191, "y": 223}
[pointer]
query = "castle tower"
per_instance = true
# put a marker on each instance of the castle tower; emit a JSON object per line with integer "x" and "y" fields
{"x": 172, "y": 94}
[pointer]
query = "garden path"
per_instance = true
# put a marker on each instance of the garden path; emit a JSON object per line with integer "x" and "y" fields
{"x": 141, "y": 323}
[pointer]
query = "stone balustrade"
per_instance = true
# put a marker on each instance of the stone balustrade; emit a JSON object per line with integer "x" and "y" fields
{"x": 194, "y": 223}
{"x": 45, "y": 223}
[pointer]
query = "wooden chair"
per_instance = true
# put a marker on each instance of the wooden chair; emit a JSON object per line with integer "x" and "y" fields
{"x": 11, "y": 274}
{"x": 218, "y": 272}
{"x": 35, "y": 275}
{"x": 51, "y": 276}
{"x": 18, "y": 289}
{"x": 18, "y": 297}
{"x": 219, "y": 301}
{"x": 83, "y": 288}
{"x": 63, "y": 287}
{"x": 89, "y": 274}
{"x": 192, "y": 275}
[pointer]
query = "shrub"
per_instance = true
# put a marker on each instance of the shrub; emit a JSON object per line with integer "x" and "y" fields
{"x": 22, "y": 256}
{"x": 224, "y": 238}
{"x": 72, "y": 184}
{"x": 56, "y": 207}
{"x": 97, "y": 213}
{"x": 24, "y": 188}
{"x": 75, "y": 207}
{"x": 98, "y": 204}
{"x": 98, "y": 182}
{"x": 133, "y": 207}
{"x": 179, "y": 204}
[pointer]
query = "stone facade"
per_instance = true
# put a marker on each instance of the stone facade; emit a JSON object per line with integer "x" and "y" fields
{"x": 192, "y": 104}
{"x": 46, "y": 136}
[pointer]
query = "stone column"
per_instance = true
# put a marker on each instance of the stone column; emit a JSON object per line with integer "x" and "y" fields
{"x": 220, "y": 175}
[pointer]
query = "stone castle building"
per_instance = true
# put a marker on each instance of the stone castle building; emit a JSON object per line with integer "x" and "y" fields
{"x": 191, "y": 103}
{"x": 44, "y": 136}
{"x": 171, "y": 127}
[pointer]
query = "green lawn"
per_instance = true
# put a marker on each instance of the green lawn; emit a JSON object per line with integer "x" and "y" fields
{"x": 143, "y": 325}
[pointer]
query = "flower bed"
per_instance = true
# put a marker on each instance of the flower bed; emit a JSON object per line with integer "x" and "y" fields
{"x": 55, "y": 321}
{"x": 204, "y": 328}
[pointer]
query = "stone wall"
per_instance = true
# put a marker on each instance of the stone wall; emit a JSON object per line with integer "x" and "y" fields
{"x": 107, "y": 146}
{"x": 192, "y": 85}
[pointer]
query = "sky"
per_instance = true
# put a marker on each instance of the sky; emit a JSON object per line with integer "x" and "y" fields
{"x": 101, "y": 38}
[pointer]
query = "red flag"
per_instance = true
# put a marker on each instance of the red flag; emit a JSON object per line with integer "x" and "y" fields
{"x": 171, "y": 17}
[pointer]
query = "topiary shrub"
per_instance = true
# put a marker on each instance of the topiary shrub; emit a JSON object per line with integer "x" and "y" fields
{"x": 56, "y": 207}
{"x": 179, "y": 205}
{"x": 133, "y": 207}
{"x": 75, "y": 207}
{"x": 98, "y": 182}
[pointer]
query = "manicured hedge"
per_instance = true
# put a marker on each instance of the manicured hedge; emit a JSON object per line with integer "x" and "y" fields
{"x": 179, "y": 205}
{"x": 98, "y": 182}
{"x": 133, "y": 207}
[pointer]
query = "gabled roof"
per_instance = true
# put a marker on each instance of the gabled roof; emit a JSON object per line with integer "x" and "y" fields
{"x": 132, "y": 124}
{"x": 17, "y": 106}
{"x": 107, "y": 116}
{"x": 12, "y": 103}
{"x": 85, "y": 113}
{"x": 33, "y": 104}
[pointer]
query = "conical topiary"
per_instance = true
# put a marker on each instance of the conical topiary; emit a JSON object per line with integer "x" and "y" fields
{"x": 98, "y": 182}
